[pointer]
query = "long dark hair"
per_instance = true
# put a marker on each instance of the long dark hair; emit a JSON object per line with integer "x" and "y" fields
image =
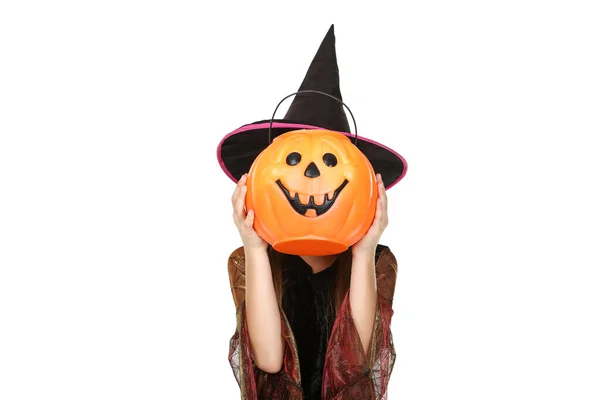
{"x": 342, "y": 283}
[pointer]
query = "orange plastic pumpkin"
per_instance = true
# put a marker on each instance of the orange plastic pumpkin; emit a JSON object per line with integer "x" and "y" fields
{"x": 313, "y": 192}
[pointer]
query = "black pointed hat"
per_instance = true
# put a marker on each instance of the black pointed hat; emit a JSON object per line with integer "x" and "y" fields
{"x": 237, "y": 151}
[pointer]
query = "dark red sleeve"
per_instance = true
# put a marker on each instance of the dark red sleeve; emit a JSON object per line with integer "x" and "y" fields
{"x": 350, "y": 373}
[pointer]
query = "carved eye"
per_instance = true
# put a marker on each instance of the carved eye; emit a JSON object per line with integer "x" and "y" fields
{"x": 293, "y": 159}
{"x": 330, "y": 160}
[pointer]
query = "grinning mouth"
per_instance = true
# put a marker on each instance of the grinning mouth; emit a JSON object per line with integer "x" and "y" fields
{"x": 301, "y": 208}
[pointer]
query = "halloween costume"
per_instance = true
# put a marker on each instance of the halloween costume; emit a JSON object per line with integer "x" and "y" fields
{"x": 343, "y": 371}
{"x": 323, "y": 355}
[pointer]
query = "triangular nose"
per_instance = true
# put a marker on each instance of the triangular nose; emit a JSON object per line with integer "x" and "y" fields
{"x": 312, "y": 171}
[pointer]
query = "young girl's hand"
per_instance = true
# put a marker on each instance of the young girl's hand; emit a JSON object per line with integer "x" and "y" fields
{"x": 368, "y": 244}
{"x": 244, "y": 221}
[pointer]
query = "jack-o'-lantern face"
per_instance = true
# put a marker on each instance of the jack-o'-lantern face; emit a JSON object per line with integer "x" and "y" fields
{"x": 313, "y": 193}
{"x": 312, "y": 198}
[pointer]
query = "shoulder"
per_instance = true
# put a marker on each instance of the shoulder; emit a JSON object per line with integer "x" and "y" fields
{"x": 386, "y": 268}
{"x": 384, "y": 256}
{"x": 236, "y": 261}
{"x": 236, "y": 266}
{"x": 237, "y": 255}
{"x": 237, "y": 258}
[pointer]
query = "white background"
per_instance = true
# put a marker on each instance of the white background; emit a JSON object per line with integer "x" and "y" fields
{"x": 115, "y": 221}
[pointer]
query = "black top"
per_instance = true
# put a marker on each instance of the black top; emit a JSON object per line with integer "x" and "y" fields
{"x": 308, "y": 304}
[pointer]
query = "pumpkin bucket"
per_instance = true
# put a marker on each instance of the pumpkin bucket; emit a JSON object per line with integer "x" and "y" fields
{"x": 313, "y": 192}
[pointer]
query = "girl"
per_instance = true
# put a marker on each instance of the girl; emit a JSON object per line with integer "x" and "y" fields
{"x": 311, "y": 327}
{"x": 290, "y": 308}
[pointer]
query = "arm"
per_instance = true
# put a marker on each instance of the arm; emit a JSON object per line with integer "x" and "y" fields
{"x": 363, "y": 280}
{"x": 262, "y": 312}
{"x": 348, "y": 368}
{"x": 261, "y": 307}
{"x": 255, "y": 377}
{"x": 363, "y": 296}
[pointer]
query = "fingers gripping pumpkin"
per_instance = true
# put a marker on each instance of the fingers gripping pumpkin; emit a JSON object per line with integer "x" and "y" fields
{"x": 313, "y": 193}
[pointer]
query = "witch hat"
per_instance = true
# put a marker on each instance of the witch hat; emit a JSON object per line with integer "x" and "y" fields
{"x": 237, "y": 150}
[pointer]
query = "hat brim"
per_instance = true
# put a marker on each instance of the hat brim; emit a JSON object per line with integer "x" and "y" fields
{"x": 237, "y": 150}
